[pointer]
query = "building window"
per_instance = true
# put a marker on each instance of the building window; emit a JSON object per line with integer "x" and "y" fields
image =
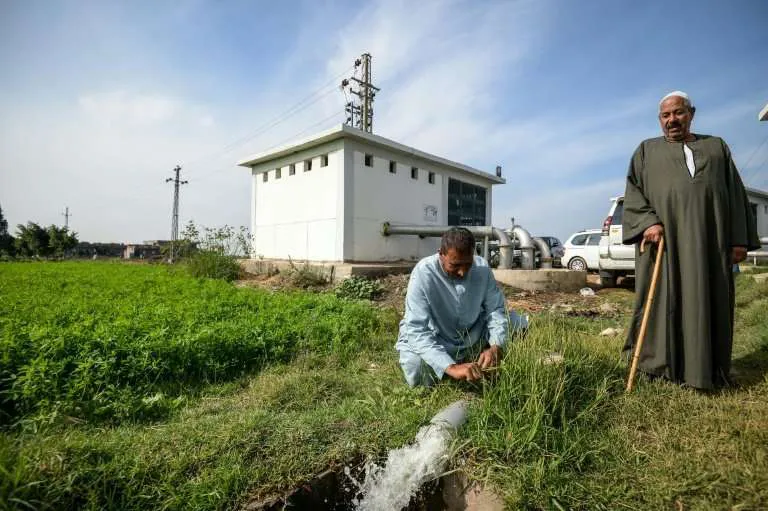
{"x": 466, "y": 203}
{"x": 369, "y": 160}
{"x": 278, "y": 173}
{"x": 431, "y": 178}
{"x": 766, "y": 209}
{"x": 392, "y": 167}
{"x": 292, "y": 169}
{"x": 264, "y": 177}
{"x": 414, "y": 173}
{"x": 307, "y": 165}
{"x": 324, "y": 160}
{"x": 753, "y": 206}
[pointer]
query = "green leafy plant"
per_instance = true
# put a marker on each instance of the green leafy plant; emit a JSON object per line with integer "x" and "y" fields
{"x": 109, "y": 342}
{"x": 358, "y": 288}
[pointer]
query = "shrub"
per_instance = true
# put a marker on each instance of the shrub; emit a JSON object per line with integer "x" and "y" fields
{"x": 305, "y": 276}
{"x": 358, "y": 288}
{"x": 213, "y": 265}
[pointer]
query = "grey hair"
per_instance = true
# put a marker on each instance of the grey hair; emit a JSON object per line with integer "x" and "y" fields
{"x": 458, "y": 238}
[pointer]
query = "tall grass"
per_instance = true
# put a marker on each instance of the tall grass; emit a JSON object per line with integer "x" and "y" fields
{"x": 213, "y": 265}
{"x": 115, "y": 342}
{"x": 542, "y": 415}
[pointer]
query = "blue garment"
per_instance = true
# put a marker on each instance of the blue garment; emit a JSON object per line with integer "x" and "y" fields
{"x": 445, "y": 317}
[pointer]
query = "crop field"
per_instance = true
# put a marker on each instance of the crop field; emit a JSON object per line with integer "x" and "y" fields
{"x": 138, "y": 387}
{"x": 110, "y": 342}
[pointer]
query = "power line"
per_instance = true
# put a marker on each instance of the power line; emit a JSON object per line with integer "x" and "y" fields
{"x": 747, "y": 172}
{"x": 287, "y": 114}
{"x": 303, "y": 104}
{"x": 746, "y": 165}
{"x": 756, "y": 173}
{"x": 305, "y": 130}
{"x": 288, "y": 139}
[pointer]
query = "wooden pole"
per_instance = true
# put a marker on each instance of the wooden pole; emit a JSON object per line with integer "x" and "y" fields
{"x": 646, "y": 315}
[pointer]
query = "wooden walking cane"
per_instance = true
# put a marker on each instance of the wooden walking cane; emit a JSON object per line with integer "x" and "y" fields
{"x": 646, "y": 315}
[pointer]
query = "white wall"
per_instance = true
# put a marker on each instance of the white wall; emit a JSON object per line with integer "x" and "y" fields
{"x": 335, "y": 213}
{"x": 379, "y": 196}
{"x": 762, "y": 214}
{"x": 296, "y": 216}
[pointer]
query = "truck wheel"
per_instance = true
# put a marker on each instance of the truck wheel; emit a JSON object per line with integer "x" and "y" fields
{"x": 607, "y": 279}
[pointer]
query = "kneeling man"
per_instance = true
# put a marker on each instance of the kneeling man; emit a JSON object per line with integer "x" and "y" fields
{"x": 455, "y": 317}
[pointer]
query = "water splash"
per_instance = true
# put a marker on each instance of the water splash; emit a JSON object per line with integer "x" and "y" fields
{"x": 391, "y": 487}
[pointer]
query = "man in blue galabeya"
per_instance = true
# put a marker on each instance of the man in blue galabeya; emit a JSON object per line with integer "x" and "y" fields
{"x": 455, "y": 322}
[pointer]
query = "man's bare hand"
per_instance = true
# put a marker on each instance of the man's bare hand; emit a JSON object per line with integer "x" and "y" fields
{"x": 469, "y": 371}
{"x": 653, "y": 234}
{"x": 489, "y": 358}
{"x": 738, "y": 254}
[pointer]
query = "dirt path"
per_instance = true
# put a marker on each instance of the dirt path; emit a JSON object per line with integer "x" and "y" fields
{"x": 603, "y": 302}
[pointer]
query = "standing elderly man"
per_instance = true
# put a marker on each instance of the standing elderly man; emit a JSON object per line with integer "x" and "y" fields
{"x": 685, "y": 188}
{"x": 455, "y": 319}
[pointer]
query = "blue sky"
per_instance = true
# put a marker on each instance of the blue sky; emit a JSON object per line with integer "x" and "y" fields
{"x": 99, "y": 100}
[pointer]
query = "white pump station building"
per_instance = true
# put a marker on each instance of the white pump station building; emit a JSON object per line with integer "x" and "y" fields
{"x": 325, "y": 198}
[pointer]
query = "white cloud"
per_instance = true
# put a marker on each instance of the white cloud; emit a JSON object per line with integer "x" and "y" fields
{"x": 123, "y": 108}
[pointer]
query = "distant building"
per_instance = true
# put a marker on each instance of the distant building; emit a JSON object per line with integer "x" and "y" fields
{"x": 87, "y": 249}
{"x": 758, "y": 201}
{"x": 325, "y": 198}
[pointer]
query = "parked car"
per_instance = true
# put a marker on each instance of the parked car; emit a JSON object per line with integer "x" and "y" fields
{"x": 582, "y": 250}
{"x": 616, "y": 259}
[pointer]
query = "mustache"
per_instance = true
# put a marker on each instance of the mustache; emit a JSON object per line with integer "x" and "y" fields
{"x": 673, "y": 125}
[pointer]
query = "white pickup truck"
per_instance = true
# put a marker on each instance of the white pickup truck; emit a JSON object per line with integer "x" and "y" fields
{"x": 616, "y": 259}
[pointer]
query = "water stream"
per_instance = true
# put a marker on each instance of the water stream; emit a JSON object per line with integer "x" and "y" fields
{"x": 392, "y": 486}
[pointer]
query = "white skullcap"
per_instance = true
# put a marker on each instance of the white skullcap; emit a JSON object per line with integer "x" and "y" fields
{"x": 676, "y": 93}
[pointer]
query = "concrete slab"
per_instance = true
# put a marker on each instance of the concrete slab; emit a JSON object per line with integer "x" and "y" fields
{"x": 334, "y": 271}
{"x": 532, "y": 280}
{"x": 542, "y": 280}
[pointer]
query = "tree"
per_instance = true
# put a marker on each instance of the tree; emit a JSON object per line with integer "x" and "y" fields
{"x": 31, "y": 240}
{"x": 35, "y": 241}
{"x": 6, "y": 240}
{"x": 60, "y": 240}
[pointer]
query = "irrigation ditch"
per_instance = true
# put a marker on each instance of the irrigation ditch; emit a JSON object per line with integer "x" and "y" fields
{"x": 413, "y": 478}
{"x": 333, "y": 490}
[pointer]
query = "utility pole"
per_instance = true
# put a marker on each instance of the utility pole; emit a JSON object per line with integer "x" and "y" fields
{"x": 66, "y": 216}
{"x": 175, "y": 215}
{"x": 360, "y": 110}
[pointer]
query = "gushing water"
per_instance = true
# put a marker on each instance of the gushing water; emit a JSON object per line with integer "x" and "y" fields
{"x": 391, "y": 487}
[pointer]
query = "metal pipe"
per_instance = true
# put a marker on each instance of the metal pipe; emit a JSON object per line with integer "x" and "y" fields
{"x": 453, "y": 416}
{"x": 506, "y": 254}
{"x": 506, "y": 249}
{"x": 527, "y": 247}
{"x": 545, "y": 255}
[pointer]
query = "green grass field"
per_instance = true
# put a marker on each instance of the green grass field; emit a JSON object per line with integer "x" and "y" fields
{"x": 136, "y": 387}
